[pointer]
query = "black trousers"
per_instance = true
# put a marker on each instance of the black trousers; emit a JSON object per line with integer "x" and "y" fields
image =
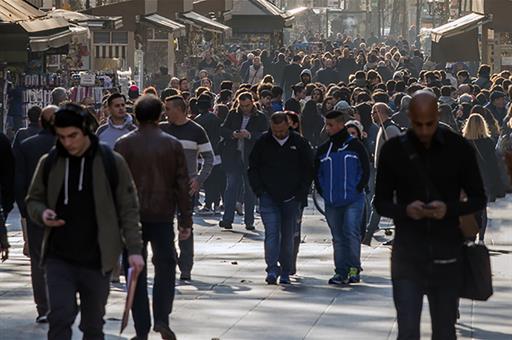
{"x": 443, "y": 302}
{"x": 64, "y": 282}
{"x": 186, "y": 257}
{"x": 214, "y": 186}
{"x": 35, "y": 238}
{"x": 161, "y": 237}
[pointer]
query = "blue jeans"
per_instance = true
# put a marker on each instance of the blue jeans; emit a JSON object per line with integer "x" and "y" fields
{"x": 280, "y": 221}
{"x": 236, "y": 180}
{"x": 345, "y": 223}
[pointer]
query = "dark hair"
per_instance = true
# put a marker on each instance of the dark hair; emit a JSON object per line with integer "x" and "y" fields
{"x": 277, "y": 91}
{"x": 150, "y": 90}
{"x": 168, "y": 92}
{"x": 484, "y": 70}
{"x": 114, "y": 96}
{"x": 245, "y": 96}
{"x": 34, "y": 113}
{"x": 380, "y": 97}
{"x": 279, "y": 117}
{"x": 148, "y": 108}
{"x": 446, "y": 91}
{"x": 73, "y": 115}
{"x": 226, "y": 85}
{"x": 177, "y": 101}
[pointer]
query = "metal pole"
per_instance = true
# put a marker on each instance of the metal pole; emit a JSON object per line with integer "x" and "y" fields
{"x": 418, "y": 17}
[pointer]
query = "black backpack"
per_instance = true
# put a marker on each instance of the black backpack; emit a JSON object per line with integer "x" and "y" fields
{"x": 109, "y": 162}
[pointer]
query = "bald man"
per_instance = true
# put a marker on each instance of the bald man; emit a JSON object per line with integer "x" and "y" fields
{"x": 27, "y": 157}
{"x": 427, "y": 247}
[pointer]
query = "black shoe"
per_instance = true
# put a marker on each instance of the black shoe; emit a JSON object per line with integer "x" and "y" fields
{"x": 250, "y": 227}
{"x": 165, "y": 332}
{"x": 42, "y": 319}
{"x": 271, "y": 279}
{"x": 185, "y": 277}
{"x": 285, "y": 280}
{"x": 225, "y": 225}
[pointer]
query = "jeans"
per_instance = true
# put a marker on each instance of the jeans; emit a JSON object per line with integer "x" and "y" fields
{"x": 237, "y": 179}
{"x": 280, "y": 221}
{"x": 345, "y": 223}
{"x": 161, "y": 237}
{"x": 297, "y": 237}
{"x": 186, "y": 257}
{"x": 443, "y": 303}
{"x": 214, "y": 187}
{"x": 39, "y": 289}
{"x": 64, "y": 281}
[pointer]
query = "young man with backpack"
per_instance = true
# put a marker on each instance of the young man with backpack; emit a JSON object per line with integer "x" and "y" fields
{"x": 84, "y": 196}
{"x": 342, "y": 169}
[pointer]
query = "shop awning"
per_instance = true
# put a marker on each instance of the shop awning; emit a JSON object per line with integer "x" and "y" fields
{"x": 164, "y": 22}
{"x": 296, "y": 11}
{"x": 45, "y": 42}
{"x": 456, "y": 27}
{"x": 206, "y": 23}
{"x": 91, "y": 21}
{"x": 44, "y": 24}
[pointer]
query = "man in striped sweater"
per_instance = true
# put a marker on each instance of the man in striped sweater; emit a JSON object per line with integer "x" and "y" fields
{"x": 195, "y": 143}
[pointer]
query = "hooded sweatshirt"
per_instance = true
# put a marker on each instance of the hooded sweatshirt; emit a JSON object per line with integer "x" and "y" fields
{"x": 306, "y": 72}
{"x": 109, "y": 133}
{"x": 76, "y": 242}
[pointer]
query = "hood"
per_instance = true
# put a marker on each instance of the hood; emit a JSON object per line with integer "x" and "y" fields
{"x": 89, "y": 153}
{"x": 306, "y": 71}
{"x": 128, "y": 120}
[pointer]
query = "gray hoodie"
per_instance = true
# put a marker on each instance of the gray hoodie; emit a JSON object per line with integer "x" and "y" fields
{"x": 109, "y": 133}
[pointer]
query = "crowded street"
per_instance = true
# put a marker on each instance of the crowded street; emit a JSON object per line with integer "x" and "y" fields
{"x": 228, "y": 299}
{"x": 255, "y": 169}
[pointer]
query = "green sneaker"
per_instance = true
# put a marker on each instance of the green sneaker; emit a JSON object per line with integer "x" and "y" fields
{"x": 353, "y": 275}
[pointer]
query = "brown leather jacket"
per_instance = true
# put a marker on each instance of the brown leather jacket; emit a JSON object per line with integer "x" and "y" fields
{"x": 159, "y": 169}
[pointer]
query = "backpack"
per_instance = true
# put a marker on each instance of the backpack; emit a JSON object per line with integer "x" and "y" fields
{"x": 339, "y": 173}
{"x": 109, "y": 162}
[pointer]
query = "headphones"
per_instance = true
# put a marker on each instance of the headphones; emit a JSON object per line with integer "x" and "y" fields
{"x": 72, "y": 108}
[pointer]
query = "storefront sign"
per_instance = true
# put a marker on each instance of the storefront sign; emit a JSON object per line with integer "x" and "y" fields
{"x": 87, "y": 79}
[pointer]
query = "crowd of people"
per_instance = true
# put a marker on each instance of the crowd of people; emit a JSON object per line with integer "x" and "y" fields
{"x": 105, "y": 183}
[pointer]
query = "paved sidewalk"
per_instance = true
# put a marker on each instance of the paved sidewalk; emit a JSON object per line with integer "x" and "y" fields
{"x": 229, "y": 299}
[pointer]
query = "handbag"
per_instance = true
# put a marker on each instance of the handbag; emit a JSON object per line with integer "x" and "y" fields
{"x": 477, "y": 273}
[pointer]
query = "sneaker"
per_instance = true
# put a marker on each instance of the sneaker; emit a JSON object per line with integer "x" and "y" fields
{"x": 336, "y": 280}
{"x": 205, "y": 211}
{"x": 285, "y": 280}
{"x": 353, "y": 276}
{"x": 250, "y": 227}
{"x": 271, "y": 279}
{"x": 225, "y": 225}
{"x": 42, "y": 319}
{"x": 165, "y": 332}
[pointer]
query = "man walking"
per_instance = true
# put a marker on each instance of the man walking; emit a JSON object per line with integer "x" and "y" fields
{"x": 342, "y": 170}
{"x": 381, "y": 115}
{"x": 428, "y": 242}
{"x": 88, "y": 218}
{"x": 27, "y": 156}
{"x": 280, "y": 173}
{"x": 240, "y": 131}
{"x": 159, "y": 168}
{"x": 195, "y": 143}
{"x": 119, "y": 123}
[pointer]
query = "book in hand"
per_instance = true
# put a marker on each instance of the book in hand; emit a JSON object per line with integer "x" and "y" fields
{"x": 131, "y": 284}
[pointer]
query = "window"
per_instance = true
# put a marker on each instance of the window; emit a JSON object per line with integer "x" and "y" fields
{"x": 102, "y": 37}
{"x": 120, "y": 38}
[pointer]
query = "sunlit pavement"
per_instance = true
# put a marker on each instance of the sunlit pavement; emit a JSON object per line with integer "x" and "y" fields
{"x": 228, "y": 298}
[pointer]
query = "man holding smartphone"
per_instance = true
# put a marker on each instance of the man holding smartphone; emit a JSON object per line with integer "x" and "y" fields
{"x": 88, "y": 218}
{"x": 420, "y": 177}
